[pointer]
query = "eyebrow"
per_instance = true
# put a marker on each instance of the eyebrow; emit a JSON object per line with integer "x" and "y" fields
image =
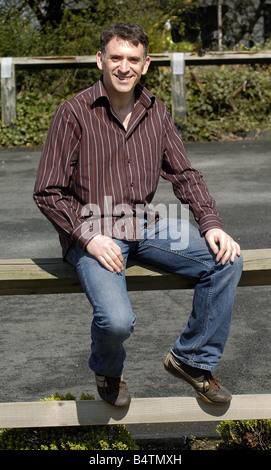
{"x": 116, "y": 56}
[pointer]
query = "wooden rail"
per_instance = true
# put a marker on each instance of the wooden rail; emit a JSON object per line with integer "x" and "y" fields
{"x": 49, "y": 276}
{"x": 176, "y": 61}
{"x": 53, "y": 275}
{"x": 140, "y": 411}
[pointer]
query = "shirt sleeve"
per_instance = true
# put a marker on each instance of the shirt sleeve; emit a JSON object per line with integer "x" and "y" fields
{"x": 54, "y": 192}
{"x": 188, "y": 184}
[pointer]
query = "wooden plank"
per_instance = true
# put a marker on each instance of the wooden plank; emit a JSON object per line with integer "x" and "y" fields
{"x": 140, "y": 411}
{"x": 37, "y": 63}
{"x": 191, "y": 58}
{"x": 48, "y": 276}
{"x": 257, "y": 268}
{"x": 53, "y": 275}
{"x": 229, "y": 57}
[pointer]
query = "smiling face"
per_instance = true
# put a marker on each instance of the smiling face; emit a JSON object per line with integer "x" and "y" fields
{"x": 122, "y": 66}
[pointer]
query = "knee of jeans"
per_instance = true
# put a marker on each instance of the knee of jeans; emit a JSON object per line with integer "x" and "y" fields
{"x": 238, "y": 264}
{"x": 235, "y": 269}
{"x": 118, "y": 326}
{"x": 121, "y": 332}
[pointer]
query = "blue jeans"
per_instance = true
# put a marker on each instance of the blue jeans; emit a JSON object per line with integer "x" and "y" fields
{"x": 203, "y": 339}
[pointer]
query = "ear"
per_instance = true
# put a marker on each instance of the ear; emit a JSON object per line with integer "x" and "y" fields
{"x": 146, "y": 65}
{"x": 99, "y": 60}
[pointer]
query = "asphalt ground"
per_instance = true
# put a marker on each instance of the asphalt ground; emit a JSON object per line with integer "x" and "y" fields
{"x": 44, "y": 340}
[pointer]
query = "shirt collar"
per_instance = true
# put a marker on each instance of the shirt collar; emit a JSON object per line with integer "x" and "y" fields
{"x": 142, "y": 94}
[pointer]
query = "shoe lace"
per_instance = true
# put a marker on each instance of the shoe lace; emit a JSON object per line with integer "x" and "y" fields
{"x": 210, "y": 382}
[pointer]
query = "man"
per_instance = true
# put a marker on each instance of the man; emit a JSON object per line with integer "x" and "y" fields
{"x": 99, "y": 170}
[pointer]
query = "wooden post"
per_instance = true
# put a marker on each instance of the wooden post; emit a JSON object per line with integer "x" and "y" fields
{"x": 178, "y": 88}
{"x": 8, "y": 90}
{"x": 219, "y": 23}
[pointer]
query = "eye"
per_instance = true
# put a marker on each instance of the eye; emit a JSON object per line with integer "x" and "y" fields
{"x": 134, "y": 60}
{"x": 115, "y": 58}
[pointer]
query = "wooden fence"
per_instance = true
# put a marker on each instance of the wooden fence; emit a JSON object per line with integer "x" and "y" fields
{"x": 51, "y": 276}
{"x": 177, "y": 62}
{"x": 141, "y": 411}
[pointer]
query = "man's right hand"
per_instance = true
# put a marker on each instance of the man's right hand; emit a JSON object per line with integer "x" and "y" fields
{"x": 107, "y": 252}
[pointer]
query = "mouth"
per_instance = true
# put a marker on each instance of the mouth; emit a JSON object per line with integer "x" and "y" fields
{"x": 123, "y": 79}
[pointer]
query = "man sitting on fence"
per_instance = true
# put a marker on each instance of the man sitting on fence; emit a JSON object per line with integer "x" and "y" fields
{"x": 99, "y": 170}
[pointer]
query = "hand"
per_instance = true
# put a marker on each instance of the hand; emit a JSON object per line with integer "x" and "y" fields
{"x": 107, "y": 252}
{"x": 222, "y": 245}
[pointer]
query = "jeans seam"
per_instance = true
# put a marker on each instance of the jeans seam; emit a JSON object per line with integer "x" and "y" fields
{"x": 206, "y": 315}
{"x": 181, "y": 254}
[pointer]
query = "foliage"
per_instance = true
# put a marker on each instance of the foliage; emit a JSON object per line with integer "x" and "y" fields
{"x": 31, "y": 29}
{"x": 222, "y": 102}
{"x": 227, "y": 101}
{"x": 67, "y": 438}
{"x": 246, "y": 434}
{"x": 39, "y": 94}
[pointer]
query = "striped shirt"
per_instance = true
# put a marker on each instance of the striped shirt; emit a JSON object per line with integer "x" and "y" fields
{"x": 93, "y": 173}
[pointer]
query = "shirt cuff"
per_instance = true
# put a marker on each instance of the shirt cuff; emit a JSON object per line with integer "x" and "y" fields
{"x": 85, "y": 232}
{"x": 208, "y": 222}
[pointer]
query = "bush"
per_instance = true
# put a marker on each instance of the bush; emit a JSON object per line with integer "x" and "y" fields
{"x": 68, "y": 438}
{"x": 232, "y": 100}
{"x": 246, "y": 434}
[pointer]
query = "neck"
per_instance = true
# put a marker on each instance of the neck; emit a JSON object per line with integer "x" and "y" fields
{"x": 122, "y": 103}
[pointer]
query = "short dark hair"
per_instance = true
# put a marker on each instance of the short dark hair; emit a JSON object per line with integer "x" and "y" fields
{"x": 128, "y": 32}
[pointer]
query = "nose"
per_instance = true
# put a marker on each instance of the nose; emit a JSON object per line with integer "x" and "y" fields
{"x": 124, "y": 66}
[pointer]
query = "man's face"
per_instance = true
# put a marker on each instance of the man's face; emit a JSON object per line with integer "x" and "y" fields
{"x": 122, "y": 65}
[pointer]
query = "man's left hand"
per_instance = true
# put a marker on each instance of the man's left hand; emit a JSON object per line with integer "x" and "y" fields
{"x": 222, "y": 245}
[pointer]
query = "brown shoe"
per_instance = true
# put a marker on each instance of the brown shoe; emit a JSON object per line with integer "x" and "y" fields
{"x": 208, "y": 388}
{"x": 113, "y": 390}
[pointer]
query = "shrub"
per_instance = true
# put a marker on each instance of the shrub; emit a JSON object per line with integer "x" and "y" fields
{"x": 232, "y": 100}
{"x": 246, "y": 434}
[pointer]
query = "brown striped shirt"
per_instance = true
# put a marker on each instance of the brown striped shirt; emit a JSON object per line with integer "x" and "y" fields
{"x": 93, "y": 172}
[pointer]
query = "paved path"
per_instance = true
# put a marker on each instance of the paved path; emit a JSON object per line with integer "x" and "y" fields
{"x": 44, "y": 340}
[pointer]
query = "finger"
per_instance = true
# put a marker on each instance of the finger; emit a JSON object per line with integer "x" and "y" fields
{"x": 223, "y": 248}
{"x": 224, "y": 252}
{"x": 236, "y": 251}
{"x": 105, "y": 264}
{"x": 213, "y": 247}
{"x": 113, "y": 255}
{"x": 108, "y": 263}
{"x": 116, "y": 259}
{"x": 223, "y": 256}
{"x": 232, "y": 251}
{"x": 112, "y": 261}
{"x": 117, "y": 252}
{"x": 226, "y": 256}
{"x": 233, "y": 255}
